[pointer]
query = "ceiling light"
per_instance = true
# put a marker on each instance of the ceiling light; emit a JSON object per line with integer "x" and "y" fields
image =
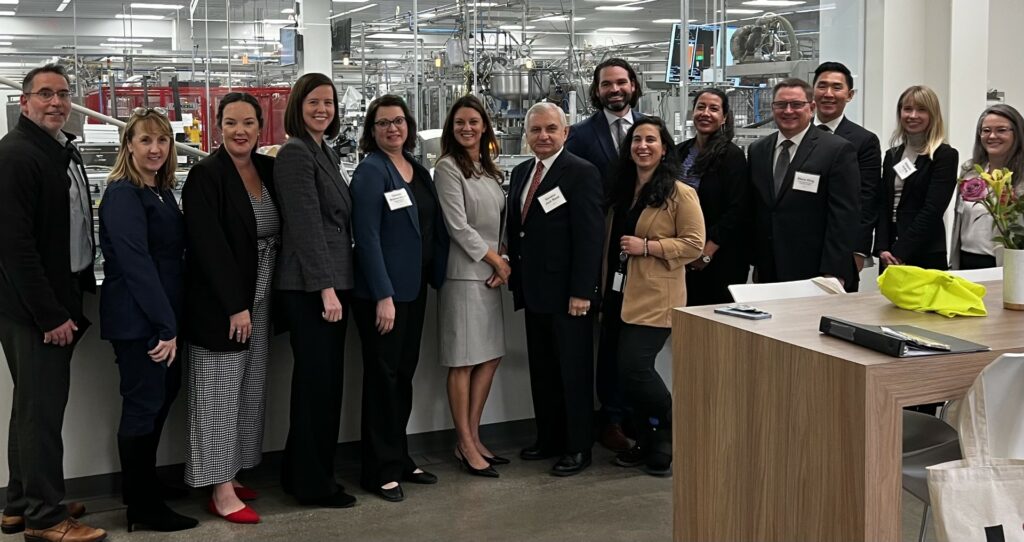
{"x": 618, "y": 8}
{"x": 9, "y": 2}
{"x": 5, "y": 38}
{"x": 557, "y": 18}
{"x": 288, "y": 11}
{"x": 7, "y": 12}
{"x": 738, "y": 11}
{"x": 516, "y": 27}
{"x": 666, "y": 21}
{"x": 617, "y": 29}
{"x": 121, "y": 45}
{"x": 5, "y": 43}
{"x": 137, "y": 5}
{"x": 129, "y": 40}
{"x": 63, "y": 5}
{"x": 390, "y": 36}
{"x": 351, "y": 1}
{"x": 773, "y": 3}
{"x": 139, "y": 17}
{"x": 426, "y": 15}
{"x": 278, "y": 21}
{"x": 483, "y": 4}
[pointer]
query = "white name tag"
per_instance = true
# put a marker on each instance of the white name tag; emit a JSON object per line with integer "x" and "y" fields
{"x": 806, "y": 182}
{"x": 397, "y": 199}
{"x": 617, "y": 280}
{"x": 552, "y": 200}
{"x": 905, "y": 168}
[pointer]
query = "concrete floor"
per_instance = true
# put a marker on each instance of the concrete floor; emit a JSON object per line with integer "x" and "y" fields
{"x": 605, "y": 503}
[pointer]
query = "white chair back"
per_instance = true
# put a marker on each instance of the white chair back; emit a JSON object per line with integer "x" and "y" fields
{"x": 750, "y": 293}
{"x": 978, "y": 275}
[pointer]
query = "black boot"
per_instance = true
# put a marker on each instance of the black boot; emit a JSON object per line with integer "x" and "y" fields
{"x": 139, "y": 487}
{"x": 658, "y": 458}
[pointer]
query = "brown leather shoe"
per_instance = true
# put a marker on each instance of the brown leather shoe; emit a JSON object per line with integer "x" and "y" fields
{"x": 614, "y": 439}
{"x": 69, "y": 530}
{"x": 16, "y": 524}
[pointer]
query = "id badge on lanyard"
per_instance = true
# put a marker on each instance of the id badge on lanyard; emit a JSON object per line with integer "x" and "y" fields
{"x": 619, "y": 278}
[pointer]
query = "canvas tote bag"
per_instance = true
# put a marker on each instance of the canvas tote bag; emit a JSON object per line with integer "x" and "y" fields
{"x": 981, "y": 497}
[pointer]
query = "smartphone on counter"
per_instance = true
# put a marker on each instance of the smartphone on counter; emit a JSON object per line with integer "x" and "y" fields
{"x": 744, "y": 311}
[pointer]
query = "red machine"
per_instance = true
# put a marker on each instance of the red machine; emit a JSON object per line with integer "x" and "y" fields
{"x": 193, "y": 101}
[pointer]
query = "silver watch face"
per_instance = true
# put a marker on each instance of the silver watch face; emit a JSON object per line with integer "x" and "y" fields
{"x": 705, "y": 259}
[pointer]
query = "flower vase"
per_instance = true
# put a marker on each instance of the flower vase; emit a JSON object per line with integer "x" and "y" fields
{"x": 1013, "y": 279}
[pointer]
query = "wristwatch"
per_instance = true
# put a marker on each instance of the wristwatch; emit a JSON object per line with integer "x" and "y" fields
{"x": 705, "y": 258}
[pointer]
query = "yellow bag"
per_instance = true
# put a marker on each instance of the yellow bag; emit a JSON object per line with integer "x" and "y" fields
{"x": 924, "y": 290}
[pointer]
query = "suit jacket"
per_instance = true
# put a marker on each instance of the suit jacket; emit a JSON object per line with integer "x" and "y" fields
{"x": 220, "y": 265}
{"x": 919, "y": 229}
{"x": 556, "y": 255}
{"x": 869, "y": 158}
{"x": 591, "y": 140}
{"x": 389, "y": 249}
{"x": 143, "y": 242}
{"x": 36, "y": 283}
{"x": 654, "y": 286}
{"x": 316, "y": 210}
{"x": 474, "y": 211}
{"x": 798, "y": 234}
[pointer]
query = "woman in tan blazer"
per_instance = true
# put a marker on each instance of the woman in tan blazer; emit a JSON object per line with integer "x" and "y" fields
{"x": 655, "y": 228}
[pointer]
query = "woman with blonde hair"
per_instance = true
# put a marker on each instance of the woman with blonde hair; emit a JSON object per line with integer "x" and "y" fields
{"x": 918, "y": 180}
{"x": 142, "y": 235}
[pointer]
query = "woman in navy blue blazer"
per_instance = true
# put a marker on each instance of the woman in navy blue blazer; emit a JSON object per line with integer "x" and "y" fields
{"x": 142, "y": 235}
{"x": 401, "y": 245}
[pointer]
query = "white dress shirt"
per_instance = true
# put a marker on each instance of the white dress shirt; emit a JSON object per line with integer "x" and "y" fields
{"x": 529, "y": 180}
{"x": 612, "y": 118}
{"x": 792, "y": 150}
{"x": 833, "y": 124}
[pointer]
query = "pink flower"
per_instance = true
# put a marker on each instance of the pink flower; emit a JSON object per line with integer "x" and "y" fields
{"x": 973, "y": 189}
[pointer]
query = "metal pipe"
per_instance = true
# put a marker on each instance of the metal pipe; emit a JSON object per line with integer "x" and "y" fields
{"x": 416, "y": 62}
{"x": 227, "y": 30}
{"x": 684, "y": 69}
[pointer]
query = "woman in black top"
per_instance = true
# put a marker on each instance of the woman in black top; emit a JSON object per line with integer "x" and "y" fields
{"x": 717, "y": 169}
{"x": 401, "y": 245}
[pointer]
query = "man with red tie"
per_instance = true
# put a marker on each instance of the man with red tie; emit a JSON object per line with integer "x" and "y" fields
{"x": 555, "y": 231}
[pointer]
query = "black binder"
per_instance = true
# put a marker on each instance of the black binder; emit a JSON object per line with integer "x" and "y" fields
{"x": 897, "y": 341}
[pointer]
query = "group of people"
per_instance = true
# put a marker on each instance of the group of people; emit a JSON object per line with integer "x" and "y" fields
{"x": 610, "y": 218}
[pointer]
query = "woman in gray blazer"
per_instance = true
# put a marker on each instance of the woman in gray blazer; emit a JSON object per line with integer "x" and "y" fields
{"x": 314, "y": 283}
{"x": 471, "y": 330}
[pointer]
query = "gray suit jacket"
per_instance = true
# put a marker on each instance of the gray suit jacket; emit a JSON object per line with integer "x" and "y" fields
{"x": 316, "y": 211}
{"x": 473, "y": 209}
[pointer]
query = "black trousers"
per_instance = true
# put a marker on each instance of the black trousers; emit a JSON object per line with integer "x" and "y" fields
{"x": 970, "y": 260}
{"x": 147, "y": 388}
{"x": 318, "y": 348}
{"x": 645, "y": 390}
{"x": 609, "y": 388}
{"x": 35, "y": 449}
{"x": 560, "y": 349}
{"x": 389, "y": 363}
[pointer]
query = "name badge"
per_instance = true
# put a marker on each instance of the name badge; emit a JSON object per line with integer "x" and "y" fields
{"x": 905, "y": 168}
{"x": 806, "y": 182}
{"x": 617, "y": 279}
{"x": 552, "y": 200}
{"x": 397, "y": 199}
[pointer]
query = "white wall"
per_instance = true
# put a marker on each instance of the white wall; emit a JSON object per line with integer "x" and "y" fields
{"x": 1004, "y": 62}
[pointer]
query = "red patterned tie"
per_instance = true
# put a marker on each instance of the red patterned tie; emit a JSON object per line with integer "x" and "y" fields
{"x": 533, "y": 189}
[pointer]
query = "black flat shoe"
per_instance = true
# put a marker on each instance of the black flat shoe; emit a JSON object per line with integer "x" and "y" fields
{"x": 394, "y": 494}
{"x": 496, "y": 460}
{"x": 633, "y": 457}
{"x": 422, "y": 477}
{"x": 571, "y": 464}
{"x": 486, "y": 472}
{"x": 340, "y": 499}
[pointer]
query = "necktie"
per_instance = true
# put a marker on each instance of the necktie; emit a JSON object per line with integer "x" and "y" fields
{"x": 824, "y": 127}
{"x": 781, "y": 165}
{"x": 533, "y": 189}
{"x": 620, "y": 132}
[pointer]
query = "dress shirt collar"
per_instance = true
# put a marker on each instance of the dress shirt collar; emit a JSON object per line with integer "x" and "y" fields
{"x": 795, "y": 139}
{"x": 833, "y": 124}
{"x": 612, "y": 117}
{"x": 549, "y": 160}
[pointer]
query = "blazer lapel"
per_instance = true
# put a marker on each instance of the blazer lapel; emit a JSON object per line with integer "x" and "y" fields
{"x": 515, "y": 192}
{"x": 235, "y": 192}
{"x": 324, "y": 159}
{"x": 398, "y": 183}
{"x": 802, "y": 152}
{"x": 763, "y": 162}
{"x": 604, "y": 136}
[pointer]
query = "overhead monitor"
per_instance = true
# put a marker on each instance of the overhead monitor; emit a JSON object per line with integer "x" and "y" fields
{"x": 291, "y": 44}
{"x": 341, "y": 38}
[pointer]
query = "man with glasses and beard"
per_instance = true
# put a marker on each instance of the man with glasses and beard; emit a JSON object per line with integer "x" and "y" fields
{"x": 614, "y": 93}
{"x": 806, "y": 185}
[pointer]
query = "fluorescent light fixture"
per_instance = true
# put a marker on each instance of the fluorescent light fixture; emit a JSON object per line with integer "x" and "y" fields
{"x": 5, "y": 43}
{"x": 516, "y": 27}
{"x": 390, "y": 36}
{"x": 7, "y": 12}
{"x": 354, "y": 10}
{"x": 558, "y": 18}
{"x": 483, "y": 4}
{"x": 139, "y": 17}
{"x": 618, "y": 8}
{"x": 144, "y": 5}
{"x": 617, "y": 29}
{"x": 774, "y": 3}
{"x": 129, "y": 40}
{"x": 278, "y": 21}
{"x": 666, "y": 21}
{"x": 351, "y": 1}
{"x": 121, "y": 45}
{"x": 288, "y": 11}
{"x": 63, "y": 5}
{"x": 426, "y": 15}
{"x": 6, "y": 38}
{"x": 9, "y": 2}
{"x": 738, "y": 11}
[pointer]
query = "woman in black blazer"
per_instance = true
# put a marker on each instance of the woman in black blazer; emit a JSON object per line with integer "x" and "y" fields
{"x": 233, "y": 231}
{"x": 918, "y": 180}
{"x": 313, "y": 284}
{"x": 143, "y": 239}
{"x": 401, "y": 245}
{"x": 717, "y": 170}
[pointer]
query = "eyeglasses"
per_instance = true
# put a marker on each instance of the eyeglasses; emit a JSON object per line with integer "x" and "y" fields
{"x": 143, "y": 111}
{"x": 47, "y": 94}
{"x": 1002, "y": 131}
{"x": 383, "y": 124}
{"x": 795, "y": 106}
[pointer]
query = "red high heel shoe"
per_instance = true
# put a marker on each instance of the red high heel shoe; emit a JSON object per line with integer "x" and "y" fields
{"x": 246, "y": 493}
{"x": 245, "y": 515}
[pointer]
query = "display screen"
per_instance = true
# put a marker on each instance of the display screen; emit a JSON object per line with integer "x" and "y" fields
{"x": 289, "y": 40}
{"x": 341, "y": 38}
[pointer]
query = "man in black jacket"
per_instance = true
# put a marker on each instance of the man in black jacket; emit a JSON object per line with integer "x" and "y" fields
{"x": 833, "y": 89}
{"x": 555, "y": 233}
{"x": 807, "y": 194}
{"x": 46, "y": 262}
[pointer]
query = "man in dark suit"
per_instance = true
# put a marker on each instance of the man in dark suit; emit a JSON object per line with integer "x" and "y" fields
{"x": 807, "y": 194}
{"x": 614, "y": 92}
{"x": 46, "y": 262}
{"x": 833, "y": 89}
{"x": 555, "y": 235}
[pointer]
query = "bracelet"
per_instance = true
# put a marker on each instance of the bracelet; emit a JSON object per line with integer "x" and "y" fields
{"x": 645, "y": 248}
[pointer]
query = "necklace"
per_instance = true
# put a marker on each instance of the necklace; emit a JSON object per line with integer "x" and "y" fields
{"x": 155, "y": 193}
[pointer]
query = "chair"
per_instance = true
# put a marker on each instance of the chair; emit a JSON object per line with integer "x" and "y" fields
{"x": 978, "y": 275}
{"x": 927, "y": 441}
{"x": 750, "y": 293}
